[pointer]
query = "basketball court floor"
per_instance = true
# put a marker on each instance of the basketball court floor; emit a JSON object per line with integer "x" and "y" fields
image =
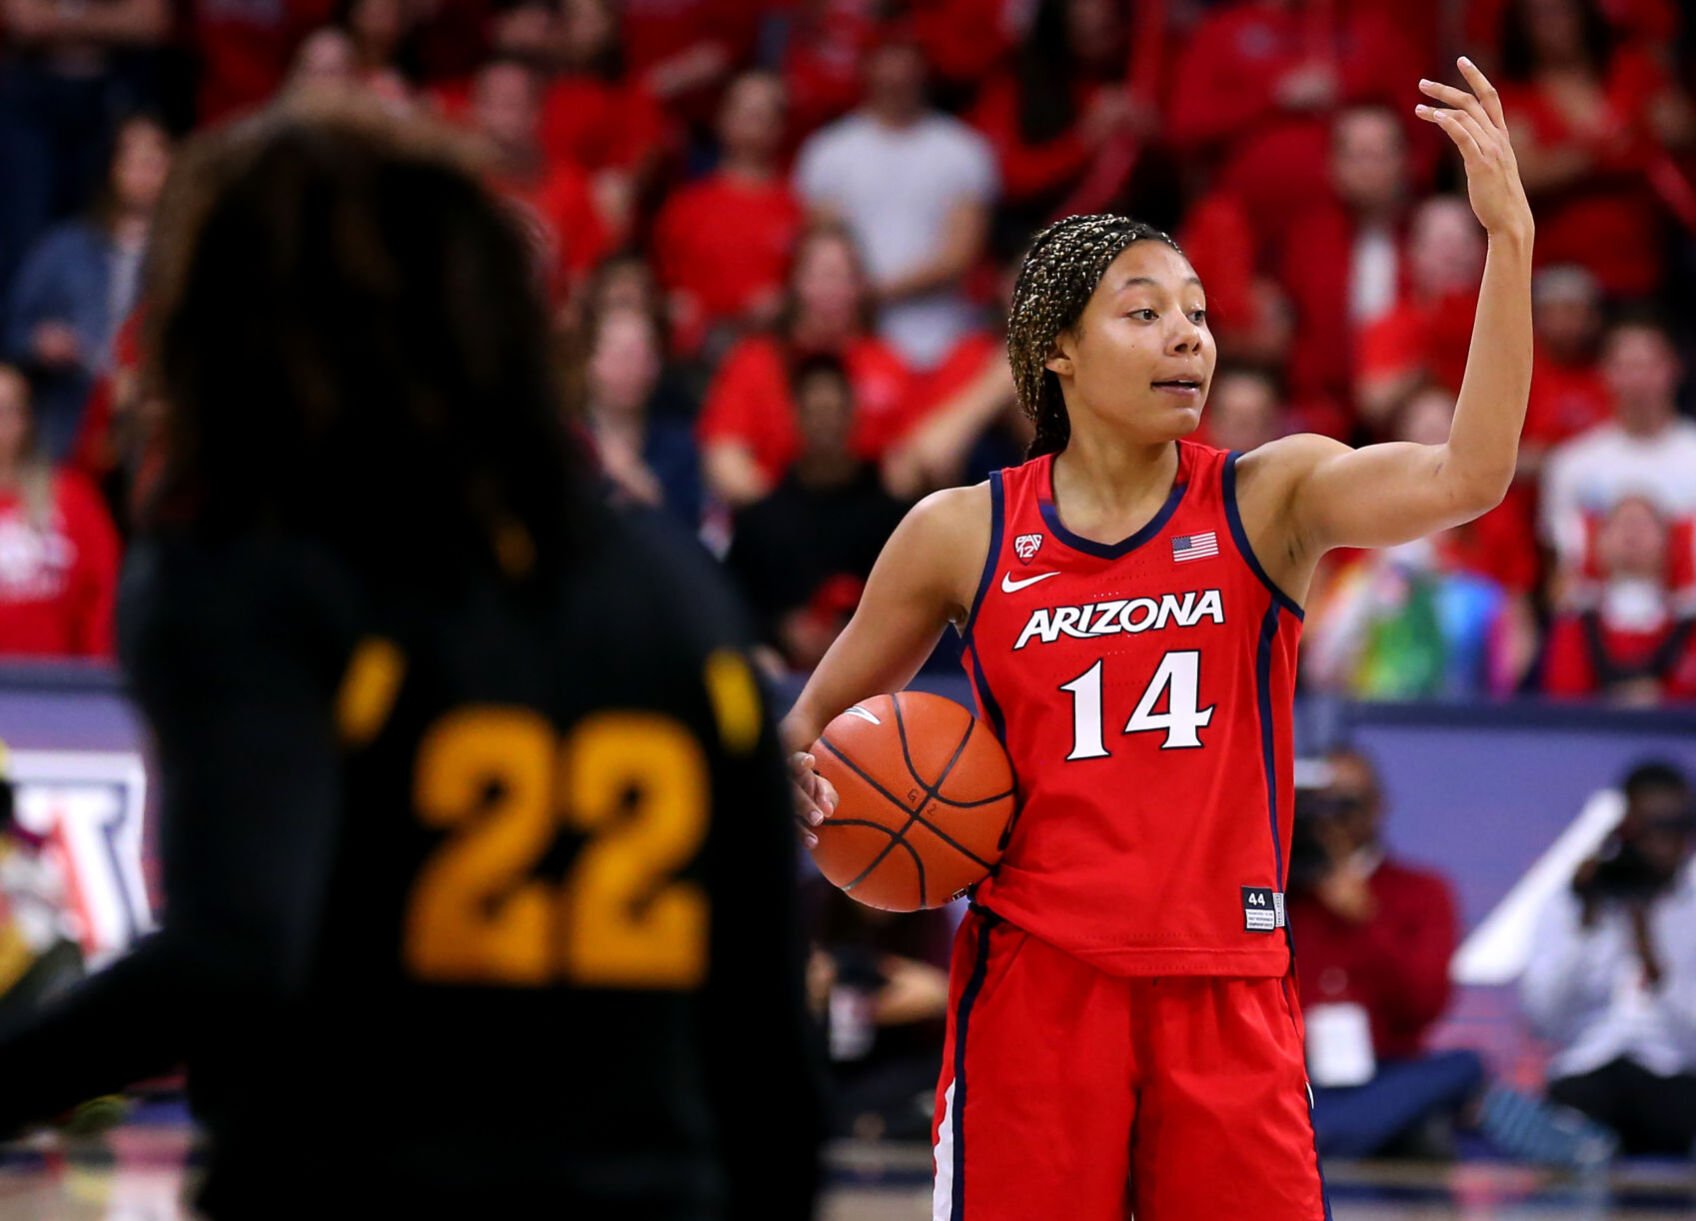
{"x": 137, "y": 1173}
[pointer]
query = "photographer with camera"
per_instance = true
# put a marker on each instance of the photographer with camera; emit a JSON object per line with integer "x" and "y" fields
{"x": 1373, "y": 938}
{"x": 1612, "y": 976}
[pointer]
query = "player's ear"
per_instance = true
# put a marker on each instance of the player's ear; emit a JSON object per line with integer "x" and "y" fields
{"x": 1060, "y": 355}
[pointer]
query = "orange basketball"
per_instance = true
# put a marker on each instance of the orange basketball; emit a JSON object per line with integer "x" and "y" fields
{"x": 925, "y": 796}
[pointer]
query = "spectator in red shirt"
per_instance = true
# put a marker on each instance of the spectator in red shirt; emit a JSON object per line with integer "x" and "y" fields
{"x": 823, "y": 44}
{"x": 1631, "y": 642}
{"x": 1258, "y": 81}
{"x": 244, "y": 49}
{"x": 1373, "y": 940}
{"x": 721, "y": 243}
{"x": 1590, "y": 119}
{"x": 747, "y": 429}
{"x": 1340, "y": 259}
{"x": 58, "y": 550}
{"x": 1062, "y": 101}
{"x": 1568, "y": 393}
{"x": 1424, "y": 339}
{"x": 554, "y": 201}
{"x": 682, "y": 51}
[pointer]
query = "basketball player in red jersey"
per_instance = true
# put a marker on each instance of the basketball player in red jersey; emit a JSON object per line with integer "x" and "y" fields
{"x": 1124, "y": 1034}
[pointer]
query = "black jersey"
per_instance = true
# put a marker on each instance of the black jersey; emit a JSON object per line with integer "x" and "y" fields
{"x": 473, "y": 899}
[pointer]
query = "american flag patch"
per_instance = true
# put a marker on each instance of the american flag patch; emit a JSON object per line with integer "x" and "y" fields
{"x": 1194, "y": 546}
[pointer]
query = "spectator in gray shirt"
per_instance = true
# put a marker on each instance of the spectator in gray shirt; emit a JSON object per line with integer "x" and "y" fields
{"x": 915, "y": 186}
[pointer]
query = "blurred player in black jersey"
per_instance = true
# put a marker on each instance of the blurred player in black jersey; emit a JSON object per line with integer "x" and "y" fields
{"x": 475, "y": 836}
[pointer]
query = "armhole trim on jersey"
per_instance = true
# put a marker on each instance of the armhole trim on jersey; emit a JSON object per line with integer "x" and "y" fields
{"x": 1240, "y": 537}
{"x": 997, "y": 516}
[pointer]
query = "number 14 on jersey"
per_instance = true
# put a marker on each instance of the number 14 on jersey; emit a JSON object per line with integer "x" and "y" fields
{"x": 1176, "y": 681}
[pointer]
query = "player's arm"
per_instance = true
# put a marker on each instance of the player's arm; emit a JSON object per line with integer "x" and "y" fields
{"x": 922, "y": 581}
{"x": 238, "y": 695}
{"x": 1381, "y": 495}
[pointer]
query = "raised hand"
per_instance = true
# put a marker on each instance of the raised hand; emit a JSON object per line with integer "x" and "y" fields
{"x": 1474, "y": 122}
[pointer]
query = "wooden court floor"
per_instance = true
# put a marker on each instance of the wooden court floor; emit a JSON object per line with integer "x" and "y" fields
{"x": 137, "y": 1173}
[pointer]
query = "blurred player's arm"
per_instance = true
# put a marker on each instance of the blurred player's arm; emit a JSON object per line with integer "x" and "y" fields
{"x": 238, "y": 696}
{"x": 1381, "y": 495}
{"x": 923, "y": 580}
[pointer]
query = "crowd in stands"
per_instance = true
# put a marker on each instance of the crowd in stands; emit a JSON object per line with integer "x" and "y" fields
{"x": 778, "y": 236}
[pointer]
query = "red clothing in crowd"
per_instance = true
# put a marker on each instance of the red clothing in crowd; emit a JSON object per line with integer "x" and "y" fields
{"x": 600, "y": 125}
{"x": 1225, "y": 96}
{"x": 1501, "y": 545}
{"x": 559, "y": 212}
{"x": 1034, "y": 171}
{"x": 1586, "y": 656}
{"x": 1314, "y": 263}
{"x": 58, "y": 579}
{"x": 722, "y": 243}
{"x": 963, "y": 39}
{"x": 1610, "y": 221}
{"x": 1565, "y": 400}
{"x": 826, "y": 44}
{"x": 245, "y": 49}
{"x": 1432, "y": 336}
{"x": 1395, "y": 965}
{"x": 964, "y": 364}
{"x": 749, "y": 401}
{"x": 1217, "y": 236}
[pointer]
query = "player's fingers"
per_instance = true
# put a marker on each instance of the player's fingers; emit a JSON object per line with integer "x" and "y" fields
{"x": 1447, "y": 120}
{"x": 825, "y": 795}
{"x": 1485, "y": 91}
{"x": 1458, "y": 99}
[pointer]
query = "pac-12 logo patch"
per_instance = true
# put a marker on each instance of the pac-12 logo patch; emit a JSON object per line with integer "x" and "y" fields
{"x": 1026, "y": 545}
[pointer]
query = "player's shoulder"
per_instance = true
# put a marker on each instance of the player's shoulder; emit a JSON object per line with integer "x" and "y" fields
{"x": 1271, "y": 471}
{"x": 953, "y": 515}
{"x": 184, "y": 598}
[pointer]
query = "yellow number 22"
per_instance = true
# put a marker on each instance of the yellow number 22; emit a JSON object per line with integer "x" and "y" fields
{"x": 501, "y": 781}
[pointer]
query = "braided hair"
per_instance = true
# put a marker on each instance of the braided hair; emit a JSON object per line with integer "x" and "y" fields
{"x": 1064, "y": 264}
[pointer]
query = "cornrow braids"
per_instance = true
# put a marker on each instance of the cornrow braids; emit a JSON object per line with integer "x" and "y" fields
{"x": 1064, "y": 264}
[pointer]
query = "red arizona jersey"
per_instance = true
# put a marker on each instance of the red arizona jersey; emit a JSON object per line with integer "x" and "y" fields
{"x": 1143, "y": 690}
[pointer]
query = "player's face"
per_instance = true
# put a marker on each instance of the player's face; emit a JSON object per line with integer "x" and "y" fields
{"x": 1141, "y": 356}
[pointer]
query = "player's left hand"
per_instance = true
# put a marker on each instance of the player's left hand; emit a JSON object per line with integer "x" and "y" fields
{"x": 1475, "y": 123}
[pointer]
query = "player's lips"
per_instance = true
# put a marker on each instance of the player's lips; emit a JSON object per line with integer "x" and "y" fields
{"x": 1184, "y": 387}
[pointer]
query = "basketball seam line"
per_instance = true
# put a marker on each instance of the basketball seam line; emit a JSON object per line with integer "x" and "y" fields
{"x": 936, "y": 793}
{"x": 894, "y": 838}
{"x": 912, "y": 815}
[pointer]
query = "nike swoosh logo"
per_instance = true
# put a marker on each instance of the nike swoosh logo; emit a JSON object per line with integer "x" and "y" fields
{"x": 1010, "y": 586}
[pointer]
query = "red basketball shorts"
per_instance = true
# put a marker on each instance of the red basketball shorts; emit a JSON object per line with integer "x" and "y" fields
{"x": 1068, "y": 1092}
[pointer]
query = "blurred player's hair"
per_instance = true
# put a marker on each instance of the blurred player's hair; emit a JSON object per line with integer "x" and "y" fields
{"x": 1064, "y": 264}
{"x": 348, "y": 334}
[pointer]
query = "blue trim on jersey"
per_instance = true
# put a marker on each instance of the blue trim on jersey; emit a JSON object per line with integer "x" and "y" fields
{"x": 1109, "y": 551}
{"x": 997, "y": 722}
{"x": 1241, "y": 537}
{"x": 1318, "y": 1162}
{"x": 1263, "y": 693}
{"x": 962, "y": 1022}
{"x": 997, "y": 524}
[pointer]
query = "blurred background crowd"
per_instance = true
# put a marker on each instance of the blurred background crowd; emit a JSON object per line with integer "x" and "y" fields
{"x": 779, "y": 234}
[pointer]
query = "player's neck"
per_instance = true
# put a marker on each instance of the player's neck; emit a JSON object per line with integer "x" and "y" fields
{"x": 1107, "y": 476}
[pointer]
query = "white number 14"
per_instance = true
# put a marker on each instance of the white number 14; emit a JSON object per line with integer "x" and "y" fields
{"x": 1178, "y": 678}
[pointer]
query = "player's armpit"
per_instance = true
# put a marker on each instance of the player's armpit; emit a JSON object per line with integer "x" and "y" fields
{"x": 924, "y": 579}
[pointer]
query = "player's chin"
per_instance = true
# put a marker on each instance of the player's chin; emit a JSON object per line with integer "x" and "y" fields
{"x": 1171, "y": 415}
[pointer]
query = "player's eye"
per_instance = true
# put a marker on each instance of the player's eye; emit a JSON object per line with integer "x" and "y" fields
{"x": 1198, "y": 316}
{"x": 1144, "y": 315}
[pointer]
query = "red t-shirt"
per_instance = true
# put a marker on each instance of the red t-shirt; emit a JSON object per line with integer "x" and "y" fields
{"x": 965, "y": 362}
{"x": 1032, "y": 171}
{"x": 1224, "y": 97}
{"x": 1570, "y": 666}
{"x": 58, "y": 582}
{"x": 599, "y": 125}
{"x": 1565, "y": 400}
{"x": 722, "y": 242}
{"x": 1395, "y": 966}
{"x": 1611, "y": 221}
{"x": 749, "y": 400}
{"x": 559, "y": 213}
{"x": 962, "y": 39}
{"x": 1432, "y": 336}
{"x": 245, "y": 49}
{"x": 1501, "y": 545}
{"x": 821, "y": 60}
